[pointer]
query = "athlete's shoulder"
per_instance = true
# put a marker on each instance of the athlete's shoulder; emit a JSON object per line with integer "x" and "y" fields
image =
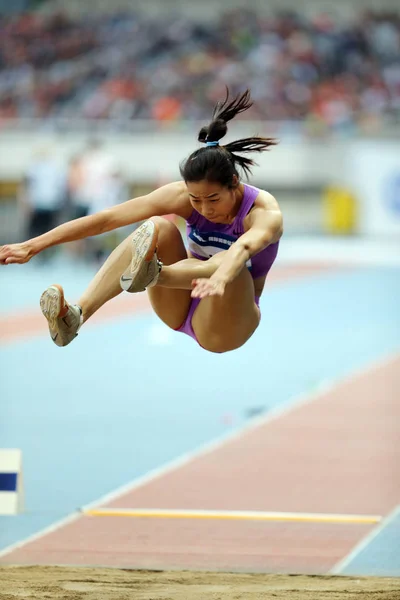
{"x": 184, "y": 208}
{"x": 176, "y": 196}
{"x": 265, "y": 207}
{"x": 265, "y": 200}
{"x": 177, "y": 189}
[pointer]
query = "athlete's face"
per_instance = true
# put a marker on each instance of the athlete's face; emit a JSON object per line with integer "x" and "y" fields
{"x": 213, "y": 201}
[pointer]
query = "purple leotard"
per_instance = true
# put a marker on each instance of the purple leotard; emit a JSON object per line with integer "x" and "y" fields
{"x": 206, "y": 239}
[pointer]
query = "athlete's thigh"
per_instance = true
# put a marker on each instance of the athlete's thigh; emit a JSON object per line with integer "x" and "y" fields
{"x": 171, "y": 306}
{"x": 227, "y": 322}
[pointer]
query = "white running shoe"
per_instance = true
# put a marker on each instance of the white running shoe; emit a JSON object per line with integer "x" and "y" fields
{"x": 64, "y": 319}
{"x": 145, "y": 267}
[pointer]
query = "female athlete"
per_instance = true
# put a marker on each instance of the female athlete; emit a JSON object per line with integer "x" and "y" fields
{"x": 209, "y": 291}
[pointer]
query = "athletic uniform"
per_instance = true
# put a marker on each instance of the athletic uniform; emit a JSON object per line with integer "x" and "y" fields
{"x": 206, "y": 239}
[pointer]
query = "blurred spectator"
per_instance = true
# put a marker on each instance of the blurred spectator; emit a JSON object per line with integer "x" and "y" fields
{"x": 124, "y": 67}
{"x": 94, "y": 184}
{"x": 115, "y": 191}
{"x": 43, "y": 194}
{"x": 96, "y": 168}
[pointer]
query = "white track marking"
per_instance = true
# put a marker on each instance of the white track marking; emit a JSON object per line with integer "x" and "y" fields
{"x": 344, "y": 563}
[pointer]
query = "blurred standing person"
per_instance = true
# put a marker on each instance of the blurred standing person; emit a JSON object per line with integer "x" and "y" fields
{"x": 91, "y": 176}
{"x": 43, "y": 194}
{"x": 97, "y": 168}
{"x": 115, "y": 191}
{"x": 77, "y": 206}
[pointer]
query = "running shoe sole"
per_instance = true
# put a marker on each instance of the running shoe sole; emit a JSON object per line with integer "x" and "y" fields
{"x": 127, "y": 279}
{"x": 51, "y": 304}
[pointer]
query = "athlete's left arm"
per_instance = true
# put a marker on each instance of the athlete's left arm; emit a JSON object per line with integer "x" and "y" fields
{"x": 264, "y": 227}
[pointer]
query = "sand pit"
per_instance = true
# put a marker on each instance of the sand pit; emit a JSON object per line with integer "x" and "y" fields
{"x": 81, "y": 583}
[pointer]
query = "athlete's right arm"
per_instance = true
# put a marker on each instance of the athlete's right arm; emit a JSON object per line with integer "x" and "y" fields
{"x": 169, "y": 199}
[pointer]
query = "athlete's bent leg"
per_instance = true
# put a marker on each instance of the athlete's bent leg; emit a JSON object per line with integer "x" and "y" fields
{"x": 106, "y": 285}
{"x": 181, "y": 274}
{"x": 224, "y": 323}
{"x": 170, "y": 304}
{"x": 64, "y": 320}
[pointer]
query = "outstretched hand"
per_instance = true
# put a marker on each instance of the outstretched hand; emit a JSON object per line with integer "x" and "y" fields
{"x": 15, "y": 253}
{"x": 208, "y": 287}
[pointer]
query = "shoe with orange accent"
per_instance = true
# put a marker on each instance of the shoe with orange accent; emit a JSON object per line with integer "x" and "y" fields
{"x": 145, "y": 267}
{"x": 64, "y": 319}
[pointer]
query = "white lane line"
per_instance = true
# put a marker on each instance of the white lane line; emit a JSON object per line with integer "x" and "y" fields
{"x": 366, "y": 541}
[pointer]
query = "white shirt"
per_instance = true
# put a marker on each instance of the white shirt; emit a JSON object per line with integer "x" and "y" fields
{"x": 46, "y": 184}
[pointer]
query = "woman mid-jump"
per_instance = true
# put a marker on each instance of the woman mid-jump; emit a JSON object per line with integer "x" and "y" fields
{"x": 209, "y": 290}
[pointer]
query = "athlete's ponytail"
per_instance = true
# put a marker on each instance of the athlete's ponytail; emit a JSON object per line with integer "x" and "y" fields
{"x": 219, "y": 163}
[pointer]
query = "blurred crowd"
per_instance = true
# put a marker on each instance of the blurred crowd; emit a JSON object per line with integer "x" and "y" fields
{"x": 125, "y": 66}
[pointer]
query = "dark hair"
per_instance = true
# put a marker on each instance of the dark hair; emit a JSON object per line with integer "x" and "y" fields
{"x": 220, "y": 163}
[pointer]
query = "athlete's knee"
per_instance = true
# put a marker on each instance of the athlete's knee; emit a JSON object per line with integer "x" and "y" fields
{"x": 219, "y": 345}
{"x": 170, "y": 244}
{"x": 166, "y": 228}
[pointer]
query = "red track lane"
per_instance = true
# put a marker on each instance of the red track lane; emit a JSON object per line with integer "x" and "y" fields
{"x": 338, "y": 453}
{"x": 211, "y": 545}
